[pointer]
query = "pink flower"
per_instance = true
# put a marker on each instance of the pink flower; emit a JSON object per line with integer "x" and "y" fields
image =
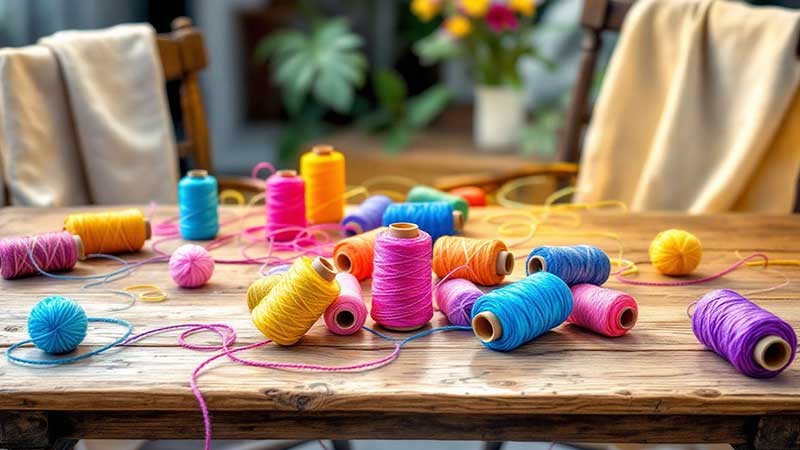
{"x": 500, "y": 18}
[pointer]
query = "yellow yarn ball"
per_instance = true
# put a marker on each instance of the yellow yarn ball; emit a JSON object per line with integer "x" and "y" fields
{"x": 260, "y": 288}
{"x": 675, "y": 252}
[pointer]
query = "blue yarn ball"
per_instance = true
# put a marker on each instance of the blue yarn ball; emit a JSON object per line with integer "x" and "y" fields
{"x": 57, "y": 324}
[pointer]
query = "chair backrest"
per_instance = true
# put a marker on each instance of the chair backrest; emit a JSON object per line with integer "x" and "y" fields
{"x": 597, "y": 16}
{"x": 183, "y": 56}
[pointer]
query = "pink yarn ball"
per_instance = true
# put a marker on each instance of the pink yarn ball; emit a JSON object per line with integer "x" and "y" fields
{"x": 191, "y": 266}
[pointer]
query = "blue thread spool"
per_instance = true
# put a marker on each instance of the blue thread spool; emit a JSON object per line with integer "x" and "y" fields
{"x": 574, "y": 264}
{"x": 368, "y": 215}
{"x": 435, "y": 218}
{"x": 515, "y": 314}
{"x": 197, "y": 202}
{"x": 419, "y": 194}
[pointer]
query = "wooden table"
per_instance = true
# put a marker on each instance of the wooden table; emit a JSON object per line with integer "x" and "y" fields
{"x": 657, "y": 384}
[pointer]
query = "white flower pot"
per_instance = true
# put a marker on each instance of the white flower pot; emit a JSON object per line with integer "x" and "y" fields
{"x": 499, "y": 116}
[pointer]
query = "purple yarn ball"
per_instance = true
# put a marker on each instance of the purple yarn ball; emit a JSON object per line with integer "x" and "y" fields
{"x": 191, "y": 266}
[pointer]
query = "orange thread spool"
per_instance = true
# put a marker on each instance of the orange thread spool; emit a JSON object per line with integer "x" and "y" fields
{"x": 355, "y": 254}
{"x": 488, "y": 261}
{"x": 474, "y": 195}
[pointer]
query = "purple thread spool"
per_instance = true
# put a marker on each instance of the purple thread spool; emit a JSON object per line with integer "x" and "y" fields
{"x": 53, "y": 252}
{"x": 368, "y": 215}
{"x": 756, "y": 342}
{"x": 455, "y": 298}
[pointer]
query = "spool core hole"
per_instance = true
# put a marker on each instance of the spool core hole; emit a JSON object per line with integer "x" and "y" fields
{"x": 627, "y": 319}
{"x": 324, "y": 268}
{"x": 404, "y": 230}
{"x": 345, "y": 319}
{"x": 487, "y": 327}
{"x": 197, "y": 173}
{"x": 777, "y": 355}
{"x": 344, "y": 263}
{"x": 505, "y": 263}
{"x": 536, "y": 264}
{"x": 286, "y": 173}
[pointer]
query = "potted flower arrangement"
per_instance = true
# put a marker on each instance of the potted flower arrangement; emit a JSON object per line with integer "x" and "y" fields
{"x": 492, "y": 36}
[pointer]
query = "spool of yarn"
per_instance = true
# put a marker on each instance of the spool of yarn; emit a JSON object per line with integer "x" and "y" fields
{"x": 401, "y": 281}
{"x": 517, "y": 313}
{"x": 354, "y": 255}
{"x": 368, "y": 215}
{"x": 260, "y": 288}
{"x": 323, "y": 170}
{"x": 425, "y": 194}
{"x": 297, "y": 301}
{"x": 110, "y": 232}
{"x": 285, "y": 205}
{"x": 675, "y": 252}
{"x": 436, "y": 218}
{"x": 347, "y": 313}
{"x": 473, "y": 195}
{"x": 756, "y": 342}
{"x": 604, "y": 311}
{"x": 574, "y": 264}
{"x": 455, "y": 298}
{"x": 488, "y": 261}
{"x": 197, "y": 205}
{"x": 52, "y": 252}
{"x": 191, "y": 266}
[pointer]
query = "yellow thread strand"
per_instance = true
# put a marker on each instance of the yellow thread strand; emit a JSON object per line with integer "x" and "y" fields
{"x": 295, "y": 303}
{"x": 231, "y": 194}
{"x": 109, "y": 232}
{"x": 147, "y": 292}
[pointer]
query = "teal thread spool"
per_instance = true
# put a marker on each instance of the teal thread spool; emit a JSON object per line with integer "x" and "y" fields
{"x": 197, "y": 204}
{"x": 419, "y": 194}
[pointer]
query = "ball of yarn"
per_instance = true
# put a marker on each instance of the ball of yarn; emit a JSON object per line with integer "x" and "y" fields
{"x": 57, "y": 324}
{"x": 260, "y": 288}
{"x": 675, "y": 252}
{"x": 474, "y": 195}
{"x": 191, "y": 266}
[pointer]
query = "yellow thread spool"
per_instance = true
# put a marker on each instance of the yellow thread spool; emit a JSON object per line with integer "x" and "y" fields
{"x": 675, "y": 252}
{"x": 259, "y": 289}
{"x": 323, "y": 171}
{"x": 110, "y": 232}
{"x": 297, "y": 301}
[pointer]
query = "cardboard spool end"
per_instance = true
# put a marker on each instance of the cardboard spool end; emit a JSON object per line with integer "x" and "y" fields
{"x": 458, "y": 221}
{"x": 627, "y": 318}
{"x": 487, "y": 326}
{"x": 505, "y": 263}
{"x": 354, "y": 227}
{"x": 343, "y": 262}
{"x": 324, "y": 268}
{"x": 772, "y": 352}
{"x": 537, "y": 264}
{"x": 148, "y": 230}
{"x": 197, "y": 173}
{"x": 288, "y": 173}
{"x": 79, "y": 247}
{"x": 404, "y": 230}
{"x": 322, "y": 149}
{"x": 345, "y": 319}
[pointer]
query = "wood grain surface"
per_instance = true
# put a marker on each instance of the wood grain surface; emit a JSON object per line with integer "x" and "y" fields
{"x": 658, "y": 369}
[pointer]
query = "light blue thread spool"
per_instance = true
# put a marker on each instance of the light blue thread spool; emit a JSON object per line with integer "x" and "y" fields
{"x": 508, "y": 317}
{"x": 197, "y": 202}
{"x": 575, "y": 264}
{"x": 421, "y": 193}
{"x": 435, "y": 218}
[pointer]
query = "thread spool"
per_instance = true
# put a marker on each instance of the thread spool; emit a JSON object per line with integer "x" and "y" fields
{"x": 675, "y": 252}
{"x": 425, "y": 194}
{"x": 197, "y": 205}
{"x": 574, "y": 264}
{"x": 604, "y": 311}
{"x": 260, "y": 288}
{"x": 297, "y": 301}
{"x": 191, "y": 266}
{"x": 435, "y": 218}
{"x": 324, "y": 173}
{"x": 488, "y": 261}
{"x": 756, "y": 342}
{"x": 508, "y": 317}
{"x": 110, "y": 232}
{"x": 355, "y": 254}
{"x": 347, "y": 313}
{"x": 285, "y": 205}
{"x": 455, "y": 299}
{"x": 368, "y": 215}
{"x": 52, "y": 252}
{"x": 401, "y": 281}
{"x": 473, "y": 195}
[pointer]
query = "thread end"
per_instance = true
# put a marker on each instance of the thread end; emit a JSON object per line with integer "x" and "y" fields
{"x": 79, "y": 248}
{"x": 505, "y": 263}
{"x": 458, "y": 221}
{"x": 537, "y": 264}
{"x": 322, "y": 149}
{"x": 772, "y": 352}
{"x": 487, "y": 326}
{"x": 404, "y": 230}
{"x": 627, "y": 318}
{"x": 288, "y": 173}
{"x": 197, "y": 173}
{"x": 324, "y": 268}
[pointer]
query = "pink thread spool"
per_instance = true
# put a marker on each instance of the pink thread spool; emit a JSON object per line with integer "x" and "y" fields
{"x": 285, "y": 205}
{"x": 604, "y": 311}
{"x": 455, "y": 298}
{"x": 402, "y": 288}
{"x": 347, "y": 313}
{"x": 53, "y": 252}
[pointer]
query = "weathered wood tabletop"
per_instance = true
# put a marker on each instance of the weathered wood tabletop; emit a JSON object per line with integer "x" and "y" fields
{"x": 656, "y": 384}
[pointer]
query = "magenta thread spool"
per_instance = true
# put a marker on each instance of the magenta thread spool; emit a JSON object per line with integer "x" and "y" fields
{"x": 52, "y": 252}
{"x": 347, "y": 313}
{"x": 285, "y": 205}
{"x": 604, "y": 311}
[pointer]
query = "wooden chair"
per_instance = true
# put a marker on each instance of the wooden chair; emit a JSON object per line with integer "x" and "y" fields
{"x": 183, "y": 57}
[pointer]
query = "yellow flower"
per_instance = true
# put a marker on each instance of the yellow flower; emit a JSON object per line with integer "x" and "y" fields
{"x": 425, "y": 10}
{"x": 458, "y": 26}
{"x": 475, "y": 8}
{"x": 524, "y": 7}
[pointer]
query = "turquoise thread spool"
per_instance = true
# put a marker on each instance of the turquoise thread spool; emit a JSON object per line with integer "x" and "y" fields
{"x": 197, "y": 204}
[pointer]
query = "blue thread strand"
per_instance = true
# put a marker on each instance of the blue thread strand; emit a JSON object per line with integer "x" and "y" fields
{"x": 197, "y": 204}
{"x": 406, "y": 340}
{"x": 526, "y": 309}
{"x": 574, "y": 264}
{"x": 434, "y": 218}
{"x": 368, "y": 215}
